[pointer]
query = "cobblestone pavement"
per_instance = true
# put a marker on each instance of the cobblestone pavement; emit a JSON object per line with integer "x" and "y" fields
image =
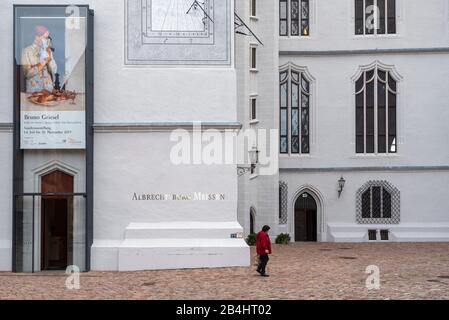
{"x": 298, "y": 271}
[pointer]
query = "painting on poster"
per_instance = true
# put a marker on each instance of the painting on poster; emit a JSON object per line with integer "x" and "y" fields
{"x": 50, "y": 49}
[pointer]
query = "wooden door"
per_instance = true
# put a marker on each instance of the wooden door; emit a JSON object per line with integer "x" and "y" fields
{"x": 56, "y": 227}
{"x": 306, "y": 218}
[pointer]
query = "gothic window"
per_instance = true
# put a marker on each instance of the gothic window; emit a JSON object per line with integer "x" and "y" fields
{"x": 375, "y": 17}
{"x": 252, "y": 221}
{"x": 295, "y": 98}
{"x": 378, "y": 202}
{"x": 376, "y": 111}
{"x": 253, "y": 62}
{"x": 253, "y": 8}
{"x": 294, "y": 17}
{"x": 283, "y": 202}
{"x": 253, "y": 109}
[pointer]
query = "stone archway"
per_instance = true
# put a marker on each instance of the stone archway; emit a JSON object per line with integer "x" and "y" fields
{"x": 308, "y": 216}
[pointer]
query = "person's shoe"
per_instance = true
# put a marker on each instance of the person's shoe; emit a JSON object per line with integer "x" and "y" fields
{"x": 264, "y": 275}
{"x": 259, "y": 271}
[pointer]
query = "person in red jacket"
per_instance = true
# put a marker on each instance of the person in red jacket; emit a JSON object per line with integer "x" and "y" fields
{"x": 263, "y": 248}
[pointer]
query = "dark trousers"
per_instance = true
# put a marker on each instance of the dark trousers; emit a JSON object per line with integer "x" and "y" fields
{"x": 263, "y": 263}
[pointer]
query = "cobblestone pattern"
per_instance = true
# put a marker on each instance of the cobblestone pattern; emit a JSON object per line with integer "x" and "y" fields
{"x": 298, "y": 271}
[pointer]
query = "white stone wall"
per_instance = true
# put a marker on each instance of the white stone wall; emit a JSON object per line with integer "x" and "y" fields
{"x": 123, "y": 168}
{"x": 423, "y": 201}
{"x": 419, "y": 25}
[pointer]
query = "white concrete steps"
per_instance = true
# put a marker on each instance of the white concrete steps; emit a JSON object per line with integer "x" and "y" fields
{"x": 175, "y": 245}
{"x": 404, "y": 232}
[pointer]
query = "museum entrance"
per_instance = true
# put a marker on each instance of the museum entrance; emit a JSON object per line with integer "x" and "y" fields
{"x": 56, "y": 224}
{"x": 306, "y": 218}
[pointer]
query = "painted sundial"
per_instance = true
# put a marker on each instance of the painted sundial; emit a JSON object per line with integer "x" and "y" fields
{"x": 178, "y": 31}
{"x": 179, "y": 21}
{"x": 179, "y": 16}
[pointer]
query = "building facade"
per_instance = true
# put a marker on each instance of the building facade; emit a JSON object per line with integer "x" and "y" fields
{"x": 358, "y": 91}
{"x": 110, "y": 108}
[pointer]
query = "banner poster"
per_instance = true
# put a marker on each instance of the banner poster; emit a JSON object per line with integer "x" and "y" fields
{"x": 50, "y": 46}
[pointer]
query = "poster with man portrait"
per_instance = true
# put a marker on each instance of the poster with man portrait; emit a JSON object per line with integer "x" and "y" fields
{"x": 50, "y": 45}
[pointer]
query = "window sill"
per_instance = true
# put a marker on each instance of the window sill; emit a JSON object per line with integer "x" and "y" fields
{"x": 296, "y": 37}
{"x": 376, "y": 36}
{"x": 376, "y": 156}
{"x": 295, "y": 156}
{"x": 253, "y": 122}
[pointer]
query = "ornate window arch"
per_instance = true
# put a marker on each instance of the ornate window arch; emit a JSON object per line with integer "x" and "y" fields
{"x": 376, "y": 109}
{"x": 296, "y": 93}
{"x": 378, "y": 202}
{"x": 283, "y": 202}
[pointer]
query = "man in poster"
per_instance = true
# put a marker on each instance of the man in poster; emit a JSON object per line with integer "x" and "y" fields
{"x": 38, "y": 64}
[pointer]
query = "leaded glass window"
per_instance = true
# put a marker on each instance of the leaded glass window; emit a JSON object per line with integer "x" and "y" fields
{"x": 294, "y": 112}
{"x": 283, "y": 17}
{"x": 283, "y": 202}
{"x": 294, "y": 17}
{"x": 373, "y": 17}
{"x": 376, "y": 112}
{"x": 378, "y": 202}
{"x": 284, "y": 97}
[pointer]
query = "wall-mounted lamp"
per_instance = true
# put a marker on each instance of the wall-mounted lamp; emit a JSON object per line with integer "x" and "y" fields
{"x": 254, "y": 158}
{"x": 341, "y": 186}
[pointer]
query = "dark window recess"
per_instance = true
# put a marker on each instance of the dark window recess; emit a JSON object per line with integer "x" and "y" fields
{"x": 376, "y": 203}
{"x": 366, "y": 204}
{"x": 359, "y": 17}
{"x": 382, "y": 19}
{"x": 251, "y": 222}
{"x": 305, "y": 18}
{"x": 372, "y": 235}
{"x": 391, "y": 14}
{"x": 386, "y": 204}
{"x": 283, "y": 18}
{"x": 253, "y": 8}
{"x": 384, "y": 235}
{"x": 375, "y": 94}
{"x": 376, "y": 199}
{"x": 294, "y": 18}
{"x": 365, "y": 22}
{"x": 294, "y": 113}
{"x": 253, "y": 58}
{"x": 284, "y": 92}
{"x": 253, "y": 109}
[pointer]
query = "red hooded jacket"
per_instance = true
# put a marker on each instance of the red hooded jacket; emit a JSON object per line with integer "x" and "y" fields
{"x": 263, "y": 243}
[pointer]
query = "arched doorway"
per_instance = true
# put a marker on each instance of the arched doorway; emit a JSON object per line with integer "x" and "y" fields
{"x": 56, "y": 220}
{"x": 252, "y": 221}
{"x": 306, "y": 219}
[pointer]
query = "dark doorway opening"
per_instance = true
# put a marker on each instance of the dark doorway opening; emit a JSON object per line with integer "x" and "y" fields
{"x": 57, "y": 221}
{"x": 306, "y": 220}
{"x": 252, "y": 222}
